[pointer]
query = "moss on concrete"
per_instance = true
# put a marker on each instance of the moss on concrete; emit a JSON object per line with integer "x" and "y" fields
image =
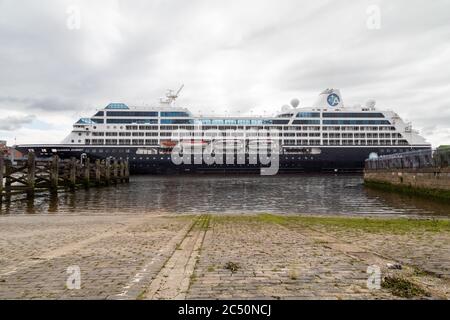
{"x": 437, "y": 194}
{"x": 374, "y": 225}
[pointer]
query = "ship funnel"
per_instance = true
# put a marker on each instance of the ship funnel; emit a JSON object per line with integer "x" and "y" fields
{"x": 329, "y": 98}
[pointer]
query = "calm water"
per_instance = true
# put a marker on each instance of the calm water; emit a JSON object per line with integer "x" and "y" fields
{"x": 298, "y": 194}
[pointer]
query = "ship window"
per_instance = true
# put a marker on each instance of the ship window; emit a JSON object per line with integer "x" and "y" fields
{"x": 174, "y": 114}
{"x": 306, "y": 122}
{"x": 99, "y": 114}
{"x": 125, "y": 121}
{"x": 132, "y": 114}
{"x": 308, "y": 115}
{"x": 353, "y": 115}
{"x": 358, "y": 122}
{"x": 116, "y": 106}
{"x": 176, "y": 121}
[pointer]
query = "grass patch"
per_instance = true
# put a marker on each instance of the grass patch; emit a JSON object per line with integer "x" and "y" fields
{"x": 422, "y": 273}
{"x": 370, "y": 224}
{"x": 403, "y": 288}
{"x": 374, "y": 225}
{"x": 202, "y": 223}
{"x": 141, "y": 295}
{"x": 271, "y": 218}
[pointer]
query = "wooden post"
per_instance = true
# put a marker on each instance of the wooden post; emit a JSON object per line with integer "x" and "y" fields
{"x": 72, "y": 173}
{"x": 87, "y": 170}
{"x": 7, "y": 187}
{"x": 98, "y": 172}
{"x": 2, "y": 167}
{"x": 115, "y": 171}
{"x": 107, "y": 171}
{"x": 122, "y": 171}
{"x": 54, "y": 174}
{"x": 31, "y": 173}
{"x": 127, "y": 171}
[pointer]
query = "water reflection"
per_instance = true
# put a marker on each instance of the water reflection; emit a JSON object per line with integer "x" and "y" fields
{"x": 295, "y": 194}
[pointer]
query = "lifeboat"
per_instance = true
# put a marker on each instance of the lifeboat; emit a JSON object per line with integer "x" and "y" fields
{"x": 168, "y": 143}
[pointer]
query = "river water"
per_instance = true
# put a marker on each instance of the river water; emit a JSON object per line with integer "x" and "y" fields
{"x": 289, "y": 194}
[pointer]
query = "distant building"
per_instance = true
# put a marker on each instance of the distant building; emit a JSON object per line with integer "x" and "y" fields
{"x": 9, "y": 152}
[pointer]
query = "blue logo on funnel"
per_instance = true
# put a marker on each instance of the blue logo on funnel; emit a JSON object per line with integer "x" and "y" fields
{"x": 333, "y": 100}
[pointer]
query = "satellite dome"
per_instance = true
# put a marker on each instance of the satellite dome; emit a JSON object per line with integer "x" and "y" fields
{"x": 373, "y": 156}
{"x": 285, "y": 108}
{"x": 370, "y": 103}
{"x": 295, "y": 102}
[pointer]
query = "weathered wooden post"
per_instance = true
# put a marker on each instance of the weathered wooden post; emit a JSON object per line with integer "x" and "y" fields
{"x": 31, "y": 174}
{"x": 122, "y": 171}
{"x": 8, "y": 172}
{"x": 73, "y": 173}
{"x": 2, "y": 167}
{"x": 107, "y": 171}
{"x": 87, "y": 171}
{"x": 127, "y": 171}
{"x": 115, "y": 171}
{"x": 98, "y": 172}
{"x": 54, "y": 174}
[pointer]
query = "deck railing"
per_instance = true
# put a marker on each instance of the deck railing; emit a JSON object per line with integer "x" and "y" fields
{"x": 426, "y": 158}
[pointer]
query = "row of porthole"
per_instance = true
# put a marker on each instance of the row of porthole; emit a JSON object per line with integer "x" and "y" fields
{"x": 217, "y": 165}
{"x": 208, "y": 158}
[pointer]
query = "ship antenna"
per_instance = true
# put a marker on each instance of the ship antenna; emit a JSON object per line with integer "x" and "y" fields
{"x": 171, "y": 96}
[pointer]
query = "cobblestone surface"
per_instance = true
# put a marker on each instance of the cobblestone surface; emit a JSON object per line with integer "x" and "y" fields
{"x": 275, "y": 262}
{"x": 172, "y": 256}
{"x": 427, "y": 250}
{"x": 37, "y": 250}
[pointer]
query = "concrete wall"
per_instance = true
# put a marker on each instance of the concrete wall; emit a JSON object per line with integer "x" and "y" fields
{"x": 427, "y": 178}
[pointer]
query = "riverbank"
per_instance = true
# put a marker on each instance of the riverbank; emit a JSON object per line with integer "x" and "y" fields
{"x": 431, "y": 183}
{"x": 163, "y": 256}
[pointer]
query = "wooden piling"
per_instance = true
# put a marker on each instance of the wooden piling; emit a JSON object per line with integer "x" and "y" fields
{"x": 2, "y": 168}
{"x": 98, "y": 172}
{"x": 72, "y": 173}
{"x": 115, "y": 171}
{"x": 31, "y": 174}
{"x": 7, "y": 187}
{"x": 87, "y": 173}
{"x": 54, "y": 174}
{"x": 122, "y": 171}
{"x": 107, "y": 171}
{"x": 127, "y": 172}
{"x": 25, "y": 176}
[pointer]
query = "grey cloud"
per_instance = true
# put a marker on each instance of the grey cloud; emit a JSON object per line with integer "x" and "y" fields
{"x": 14, "y": 123}
{"x": 231, "y": 55}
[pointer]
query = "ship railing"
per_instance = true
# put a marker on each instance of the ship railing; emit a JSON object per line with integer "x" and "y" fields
{"x": 426, "y": 158}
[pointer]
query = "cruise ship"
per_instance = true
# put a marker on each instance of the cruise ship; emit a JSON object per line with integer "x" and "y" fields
{"x": 326, "y": 137}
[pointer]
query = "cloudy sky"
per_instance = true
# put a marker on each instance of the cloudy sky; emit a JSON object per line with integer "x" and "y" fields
{"x": 60, "y": 60}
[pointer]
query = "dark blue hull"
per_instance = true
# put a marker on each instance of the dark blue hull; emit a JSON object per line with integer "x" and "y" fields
{"x": 331, "y": 159}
